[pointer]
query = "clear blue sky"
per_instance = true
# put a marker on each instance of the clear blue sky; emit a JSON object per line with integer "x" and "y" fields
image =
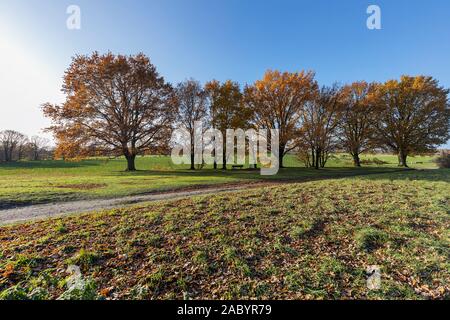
{"x": 222, "y": 39}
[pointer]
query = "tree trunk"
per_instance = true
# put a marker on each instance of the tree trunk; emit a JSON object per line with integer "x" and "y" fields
{"x": 402, "y": 155}
{"x": 192, "y": 161}
{"x": 9, "y": 154}
{"x": 281, "y": 158}
{"x": 192, "y": 150}
{"x": 214, "y": 154}
{"x": 281, "y": 155}
{"x": 224, "y": 165}
{"x": 130, "y": 162}
{"x": 356, "y": 160}
{"x": 316, "y": 165}
{"x": 323, "y": 161}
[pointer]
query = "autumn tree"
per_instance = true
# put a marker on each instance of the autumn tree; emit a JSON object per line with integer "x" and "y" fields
{"x": 22, "y": 147}
{"x": 37, "y": 147}
{"x": 320, "y": 118}
{"x": 10, "y": 141}
{"x": 358, "y": 118}
{"x": 192, "y": 102}
{"x": 115, "y": 104}
{"x": 226, "y": 109}
{"x": 277, "y": 101}
{"x": 414, "y": 116}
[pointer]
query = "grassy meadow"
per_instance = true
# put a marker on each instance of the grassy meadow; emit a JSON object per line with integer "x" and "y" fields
{"x": 312, "y": 240}
{"x": 24, "y": 183}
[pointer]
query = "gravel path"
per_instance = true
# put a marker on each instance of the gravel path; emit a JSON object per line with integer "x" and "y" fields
{"x": 35, "y": 212}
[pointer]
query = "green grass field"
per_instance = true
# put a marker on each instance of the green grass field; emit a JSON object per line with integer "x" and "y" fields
{"x": 23, "y": 183}
{"x": 311, "y": 240}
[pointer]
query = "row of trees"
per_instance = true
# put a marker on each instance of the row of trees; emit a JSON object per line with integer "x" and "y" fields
{"x": 406, "y": 116}
{"x": 120, "y": 105}
{"x": 17, "y": 146}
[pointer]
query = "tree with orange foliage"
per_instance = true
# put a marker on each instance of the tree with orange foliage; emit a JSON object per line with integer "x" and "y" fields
{"x": 277, "y": 101}
{"x": 359, "y": 115}
{"x": 115, "y": 104}
{"x": 413, "y": 116}
{"x": 226, "y": 109}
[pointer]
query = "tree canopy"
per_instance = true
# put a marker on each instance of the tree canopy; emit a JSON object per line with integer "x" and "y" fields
{"x": 413, "y": 115}
{"x": 358, "y": 118}
{"x": 120, "y": 105}
{"x": 114, "y": 104}
{"x": 277, "y": 101}
{"x": 226, "y": 108}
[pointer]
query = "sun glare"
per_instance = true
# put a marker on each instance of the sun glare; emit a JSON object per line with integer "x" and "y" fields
{"x": 24, "y": 81}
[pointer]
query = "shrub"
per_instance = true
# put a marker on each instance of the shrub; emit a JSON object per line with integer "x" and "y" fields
{"x": 443, "y": 161}
{"x": 369, "y": 238}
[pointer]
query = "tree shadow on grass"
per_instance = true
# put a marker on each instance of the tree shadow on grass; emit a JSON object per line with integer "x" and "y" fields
{"x": 302, "y": 174}
{"x": 284, "y": 174}
{"x": 431, "y": 175}
{"x": 48, "y": 164}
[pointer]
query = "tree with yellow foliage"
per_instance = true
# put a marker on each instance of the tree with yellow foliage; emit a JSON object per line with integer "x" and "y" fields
{"x": 413, "y": 116}
{"x": 277, "y": 101}
{"x": 226, "y": 109}
{"x": 359, "y": 115}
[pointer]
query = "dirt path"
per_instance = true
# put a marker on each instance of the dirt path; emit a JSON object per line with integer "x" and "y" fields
{"x": 35, "y": 212}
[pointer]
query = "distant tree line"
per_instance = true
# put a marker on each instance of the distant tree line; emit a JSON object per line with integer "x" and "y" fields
{"x": 15, "y": 146}
{"x": 120, "y": 105}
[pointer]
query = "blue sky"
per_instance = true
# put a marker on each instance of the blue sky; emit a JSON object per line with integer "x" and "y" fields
{"x": 226, "y": 39}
